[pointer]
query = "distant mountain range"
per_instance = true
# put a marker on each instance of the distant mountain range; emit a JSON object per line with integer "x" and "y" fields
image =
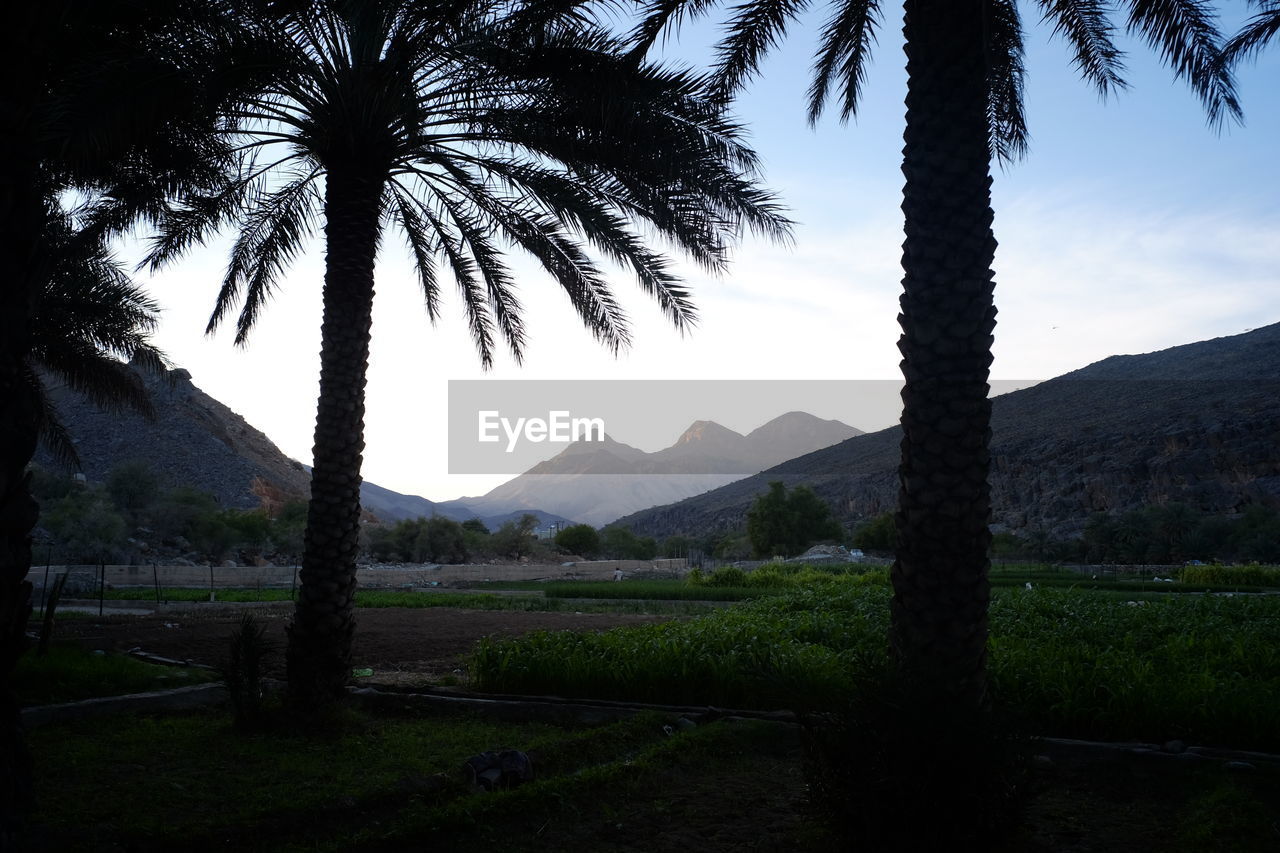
{"x": 197, "y": 441}
{"x": 1198, "y": 424}
{"x": 597, "y": 482}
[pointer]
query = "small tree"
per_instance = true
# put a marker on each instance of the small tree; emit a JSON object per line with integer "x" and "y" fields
{"x": 442, "y": 540}
{"x": 579, "y": 539}
{"x": 515, "y": 539}
{"x": 86, "y": 526}
{"x": 786, "y": 524}
{"x": 620, "y": 543}
{"x": 877, "y": 534}
{"x": 133, "y": 487}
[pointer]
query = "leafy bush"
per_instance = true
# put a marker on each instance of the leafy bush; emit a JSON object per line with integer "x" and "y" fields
{"x": 420, "y": 540}
{"x": 786, "y": 523}
{"x": 620, "y": 543}
{"x": 581, "y": 539}
{"x": 1231, "y": 575}
{"x": 1202, "y": 668}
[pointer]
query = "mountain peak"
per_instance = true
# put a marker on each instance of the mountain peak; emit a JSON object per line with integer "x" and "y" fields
{"x": 704, "y": 431}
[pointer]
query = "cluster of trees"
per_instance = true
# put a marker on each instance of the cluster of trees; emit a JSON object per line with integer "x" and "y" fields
{"x": 443, "y": 540}
{"x": 782, "y": 523}
{"x": 611, "y": 543}
{"x": 132, "y": 516}
{"x": 1166, "y": 534}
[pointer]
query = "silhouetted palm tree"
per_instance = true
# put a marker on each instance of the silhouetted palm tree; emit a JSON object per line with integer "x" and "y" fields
{"x": 964, "y": 107}
{"x": 469, "y": 128}
{"x": 110, "y": 95}
{"x": 1257, "y": 32}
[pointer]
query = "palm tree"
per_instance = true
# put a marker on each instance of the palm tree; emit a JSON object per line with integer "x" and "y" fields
{"x": 1257, "y": 31}
{"x": 109, "y": 96}
{"x": 964, "y": 107}
{"x": 89, "y": 317}
{"x": 469, "y": 128}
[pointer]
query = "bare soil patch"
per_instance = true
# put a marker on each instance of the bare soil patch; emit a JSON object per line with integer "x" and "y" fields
{"x": 401, "y": 645}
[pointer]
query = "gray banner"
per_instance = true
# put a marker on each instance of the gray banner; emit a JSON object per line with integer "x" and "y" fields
{"x": 658, "y": 427}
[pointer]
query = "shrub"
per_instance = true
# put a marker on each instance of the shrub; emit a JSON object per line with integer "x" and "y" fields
{"x": 786, "y": 523}
{"x": 1231, "y": 575}
{"x": 727, "y": 576}
{"x": 581, "y": 539}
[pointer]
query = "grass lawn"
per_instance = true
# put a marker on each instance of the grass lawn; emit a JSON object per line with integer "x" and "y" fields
{"x": 385, "y": 782}
{"x": 69, "y": 673}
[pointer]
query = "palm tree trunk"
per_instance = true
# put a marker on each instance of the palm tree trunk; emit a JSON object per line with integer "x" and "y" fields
{"x": 319, "y": 653}
{"x": 938, "y": 627}
{"x": 21, "y": 219}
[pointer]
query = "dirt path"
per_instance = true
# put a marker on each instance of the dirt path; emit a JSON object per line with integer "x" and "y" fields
{"x": 418, "y": 643}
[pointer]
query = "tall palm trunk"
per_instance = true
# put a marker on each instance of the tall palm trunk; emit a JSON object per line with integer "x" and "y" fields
{"x": 940, "y": 587}
{"x": 319, "y": 653}
{"x": 24, "y": 265}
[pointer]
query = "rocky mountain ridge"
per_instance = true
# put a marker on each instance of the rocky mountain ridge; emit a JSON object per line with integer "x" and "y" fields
{"x": 596, "y": 482}
{"x": 1198, "y": 424}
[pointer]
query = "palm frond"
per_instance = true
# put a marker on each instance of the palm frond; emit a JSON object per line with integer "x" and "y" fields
{"x": 1186, "y": 35}
{"x": 53, "y": 432}
{"x": 843, "y": 55}
{"x": 499, "y": 284}
{"x": 1006, "y": 115}
{"x": 1256, "y": 33}
{"x": 273, "y": 232}
{"x": 465, "y": 274}
{"x": 417, "y": 237}
{"x": 755, "y": 27}
{"x": 660, "y": 15}
{"x": 1086, "y": 25}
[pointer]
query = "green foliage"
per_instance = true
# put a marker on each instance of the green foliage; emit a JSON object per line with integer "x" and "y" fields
{"x": 515, "y": 539}
{"x": 1172, "y": 533}
{"x": 581, "y": 539}
{"x": 475, "y": 525}
{"x": 787, "y": 524}
{"x": 245, "y": 791}
{"x": 878, "y": 534}
{"x": 70, "y": 673}
{"x": 620, "y": 543}
{"x": 86, "y": 526}
{"x": 288, "y": 527}
{"x": 242, "y": 671}
{"x": 421, "y": 540}
{"x": 727, "y": 576}
{"x": 1259, "y": 576}
{"x": 1200, "y": 668}
{"x": 133, "y": 487}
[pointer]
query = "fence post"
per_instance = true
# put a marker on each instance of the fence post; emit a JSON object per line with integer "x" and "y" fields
{"x": 102, "y": 584}
{"x": 211, "y": 596}
{"x": 155, "y": 577}
{"x": 44, "y": 590}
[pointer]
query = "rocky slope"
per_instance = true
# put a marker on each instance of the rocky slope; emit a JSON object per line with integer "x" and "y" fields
{"x": 194, "y": 440}
{"x": 1199, "y": 424}
{"x": 197, "y": 441}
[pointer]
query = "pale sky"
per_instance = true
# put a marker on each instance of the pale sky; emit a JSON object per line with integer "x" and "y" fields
{"x": 1130, "y": 227}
